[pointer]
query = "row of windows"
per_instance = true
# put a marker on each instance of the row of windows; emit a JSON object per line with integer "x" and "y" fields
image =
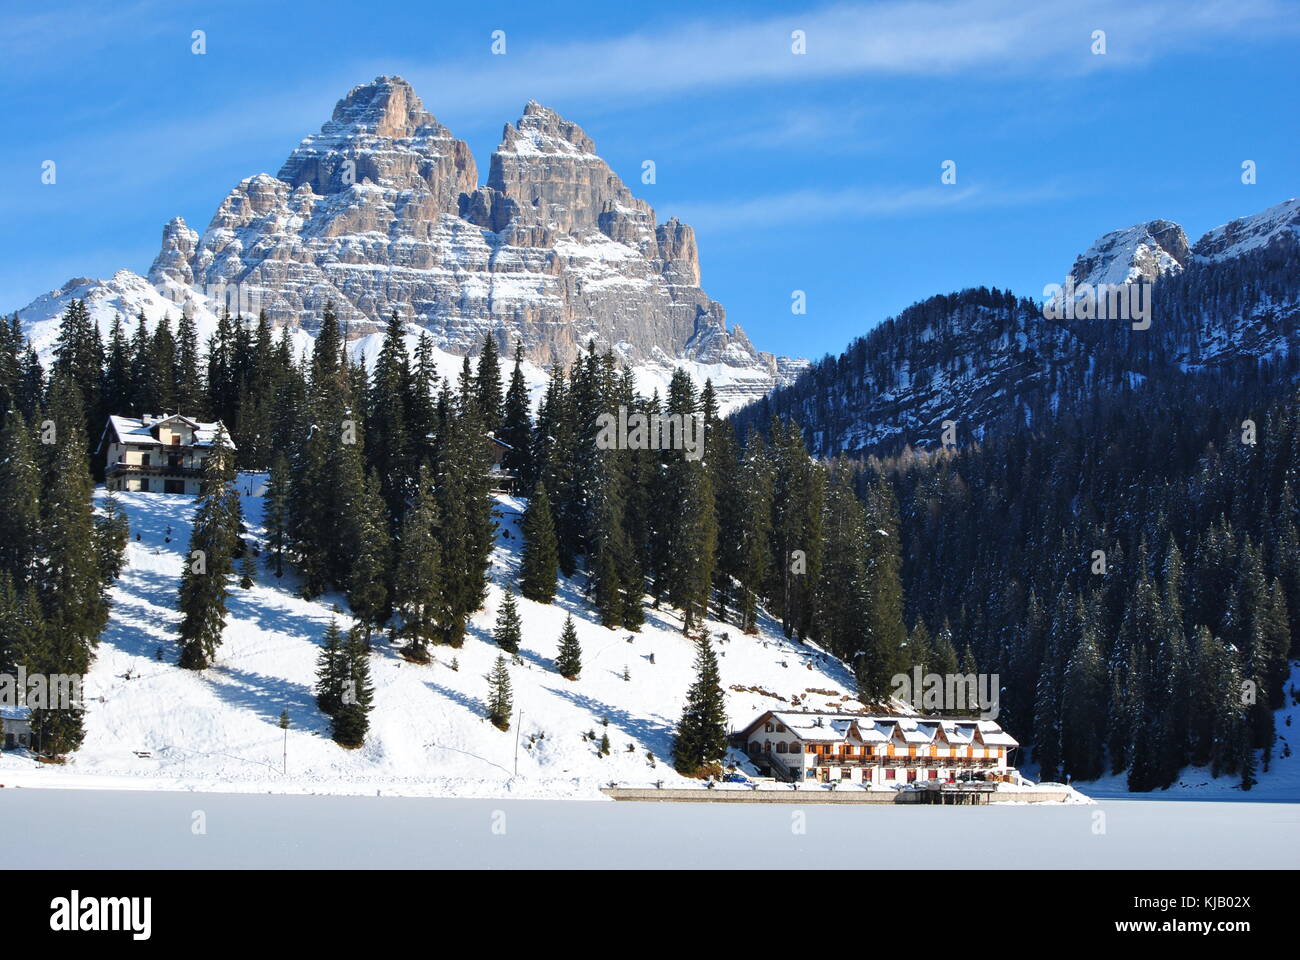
{"x": 827, "y": 750}
{"x": 892, "y": 774}
{"x": 154, "y": 486}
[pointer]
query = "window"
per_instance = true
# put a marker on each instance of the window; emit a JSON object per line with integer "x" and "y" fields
{"x": 890, "y": 773}
{"x": 176, "y": 439}
{"x": 767, "y": 728}
{"x": 780, "y": 728}
{"x": 780, "y": 747}
{"x": 144, "y": 459}
{"x": 173, "y": 486}
{"x": 144, "y": 484}
{"x": 810, "y": 774}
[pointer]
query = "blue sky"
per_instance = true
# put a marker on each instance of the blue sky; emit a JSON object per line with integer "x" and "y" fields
{"x": 817, "y": 172}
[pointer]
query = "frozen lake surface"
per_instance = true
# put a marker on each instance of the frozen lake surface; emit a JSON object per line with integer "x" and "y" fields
{"x": 72, "y": 829}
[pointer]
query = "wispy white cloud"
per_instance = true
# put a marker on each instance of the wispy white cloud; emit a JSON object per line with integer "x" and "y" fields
{"x": 813, "y": 206}
{"x": 893, "y": 37}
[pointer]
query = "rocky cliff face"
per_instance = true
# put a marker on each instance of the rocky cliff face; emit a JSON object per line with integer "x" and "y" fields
{"x": 382, "y": 211}
{"x": 1145, "y": 252}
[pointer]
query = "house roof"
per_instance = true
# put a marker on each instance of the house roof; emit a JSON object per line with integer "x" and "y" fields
{"x": 138, "y": 431}
{"x": 995, "y": 736}
{"x": 836, "y": 728}
{"x": 15, "y": 713}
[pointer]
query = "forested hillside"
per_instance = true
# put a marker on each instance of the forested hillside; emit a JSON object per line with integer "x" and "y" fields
{"x": 992, "y": 362}
{"x": 1114, "y": 534}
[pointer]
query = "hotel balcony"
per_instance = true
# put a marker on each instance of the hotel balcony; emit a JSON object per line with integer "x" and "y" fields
{"x": 139, "y": 470}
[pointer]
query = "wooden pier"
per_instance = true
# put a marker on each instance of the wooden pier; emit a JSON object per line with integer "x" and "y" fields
{"x": 952, "y": 793}
{"x": 981, "y": 794}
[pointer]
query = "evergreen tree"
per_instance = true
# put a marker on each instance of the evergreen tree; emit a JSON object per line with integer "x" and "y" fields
{"x": 20, "y": 492}
{"x": 537, "y": 573}
{"x": 554, "y": 452}
{"x": 884, "y": 634}
{"x": 116, "y": 392}
{"x": 351, "y": 720}
{"x": 499, "y": 703}
{"x": 700, "y": 741}
{"x": 277, "y": 513}
{"x": 517, "y": 427}
{"x": 689, "y": 550}
{"x": 1082, "y": 705}
{"x": 330, "y": 665}
{"x": 466, "y": 529}
{"x": 247, "y": 570}
{"x": 210, "y": 560}
{"x": 943, "y": 654}
{"x": 419, "y": 594}
{"x": 753, "y": 547}
{"x": 368, "y": 592}
{"x": 487, "y": 385}
{"x": 389, "y": 449}
{"x": 78, "y": 363}
{"x": 611, "y": 558}
{"x": 328, "y": 475}
{"x": 508, "y": 631}
{"x": 189, "y": 388}
{"x": 568, "y": 661}
{"x": 61, "y": 589}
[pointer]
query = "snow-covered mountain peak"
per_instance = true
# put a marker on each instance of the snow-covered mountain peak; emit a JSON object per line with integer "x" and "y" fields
{"x": 1278, "y": 224}
{"x": 382, "y": 211}
{"x": 386, "y": 106}
{"x": 1144, "y": 252}
{"x": 541, "y": 130}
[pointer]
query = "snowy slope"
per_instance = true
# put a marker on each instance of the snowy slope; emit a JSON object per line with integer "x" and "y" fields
{"x": 1278, "y": 224}
{"x": 219, "y": 730}
{"x": 126, "y": 294}
{"x": 1143, "y": 252}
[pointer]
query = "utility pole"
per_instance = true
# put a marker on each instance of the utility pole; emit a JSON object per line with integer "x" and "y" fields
{"x": 284, "y": 725}
{"x": 519, "y": 722}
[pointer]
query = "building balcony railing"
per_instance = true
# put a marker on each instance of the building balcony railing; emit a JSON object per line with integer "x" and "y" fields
{"x": 830, "y": 760}
{"x": 153, "y": 470}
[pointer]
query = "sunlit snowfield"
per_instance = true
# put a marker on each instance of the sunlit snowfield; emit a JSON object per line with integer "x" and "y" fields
{"x": 70, "y": 829}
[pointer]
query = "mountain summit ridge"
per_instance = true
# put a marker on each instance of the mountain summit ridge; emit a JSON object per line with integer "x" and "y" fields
{"x": 382, "y": 211}
{"x": 988, "y": 361}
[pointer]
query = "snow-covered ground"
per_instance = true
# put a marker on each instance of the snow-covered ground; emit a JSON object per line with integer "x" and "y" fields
{"x": 218, "y": 730}
{"x": 91, "y": 829}
{"x": 152, "y": 726}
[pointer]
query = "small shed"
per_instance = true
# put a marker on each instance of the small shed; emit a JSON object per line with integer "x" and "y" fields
{"x": 15, "y": 727}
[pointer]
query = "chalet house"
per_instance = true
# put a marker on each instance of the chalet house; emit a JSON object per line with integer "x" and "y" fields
{"x": 15, "y": 727}
{"x": 884, "y": 751}
{"x": 160, "y": 453}
{"x": 500, "y": 480}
